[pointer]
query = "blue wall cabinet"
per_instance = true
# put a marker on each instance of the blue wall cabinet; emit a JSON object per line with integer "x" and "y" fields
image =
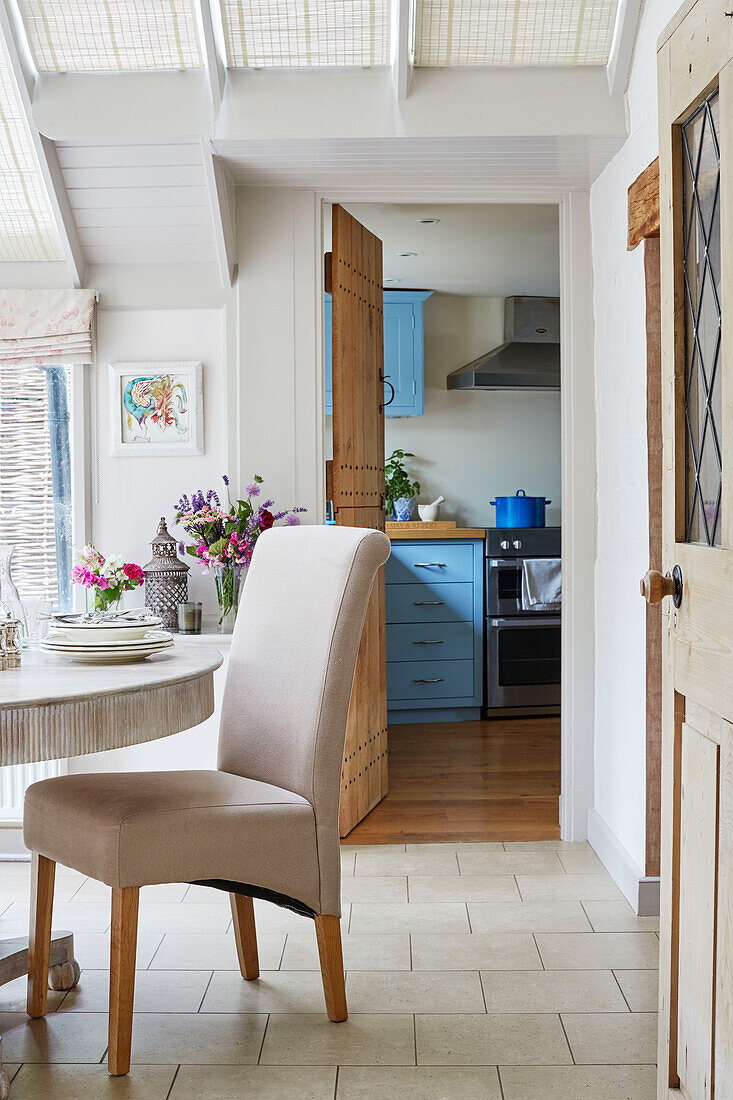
{"x": 403, "y": 351}
{"x": 435, "y": 599}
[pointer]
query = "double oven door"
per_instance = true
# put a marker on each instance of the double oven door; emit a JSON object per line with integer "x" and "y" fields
{"x": 522, "y": 647}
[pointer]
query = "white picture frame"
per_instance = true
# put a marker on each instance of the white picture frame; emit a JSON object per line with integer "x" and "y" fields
{"x": 156, "y": 409}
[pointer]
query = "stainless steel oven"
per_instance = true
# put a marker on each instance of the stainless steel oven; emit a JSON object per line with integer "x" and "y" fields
{"x": 522, "y": 647}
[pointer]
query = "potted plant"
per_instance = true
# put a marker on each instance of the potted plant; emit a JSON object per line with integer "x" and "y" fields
{"x": 400, "y": 492}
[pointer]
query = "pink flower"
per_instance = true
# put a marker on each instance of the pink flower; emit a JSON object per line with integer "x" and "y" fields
{"x": 132, "y": 572}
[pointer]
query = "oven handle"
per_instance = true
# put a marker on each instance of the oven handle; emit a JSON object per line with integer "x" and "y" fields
{"x": 497, "y": 563}
{"x": 542, "y": 620}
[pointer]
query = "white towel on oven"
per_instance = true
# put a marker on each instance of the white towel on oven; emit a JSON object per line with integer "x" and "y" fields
{"x": 541, "y": 584}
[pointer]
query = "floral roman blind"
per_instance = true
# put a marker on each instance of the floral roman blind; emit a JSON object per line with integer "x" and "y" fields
{"x": 46, "y": 327}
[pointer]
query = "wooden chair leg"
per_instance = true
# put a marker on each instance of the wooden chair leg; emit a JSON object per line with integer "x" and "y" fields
{"x": 123, "y": 949}
{"x": 245, "y": 935}
{"x": 328, "y": 935}
{"x": 43, "y": 873}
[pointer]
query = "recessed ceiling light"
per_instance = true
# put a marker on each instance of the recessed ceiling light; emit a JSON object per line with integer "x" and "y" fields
{"x": 428, "y": 221}
{"x": 406, "y": 255}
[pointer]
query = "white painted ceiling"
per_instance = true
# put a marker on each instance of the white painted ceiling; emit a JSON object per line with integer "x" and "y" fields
{"x": 490, "y": 250}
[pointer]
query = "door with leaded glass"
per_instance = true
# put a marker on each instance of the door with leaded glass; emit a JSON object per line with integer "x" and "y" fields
{"x": 695, "y": 72}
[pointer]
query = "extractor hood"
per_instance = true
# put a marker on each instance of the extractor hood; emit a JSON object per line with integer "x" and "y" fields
{"x": 530, "y": 357}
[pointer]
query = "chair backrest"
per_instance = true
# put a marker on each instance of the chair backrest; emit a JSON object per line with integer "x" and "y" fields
{"x": 292, "y": 661}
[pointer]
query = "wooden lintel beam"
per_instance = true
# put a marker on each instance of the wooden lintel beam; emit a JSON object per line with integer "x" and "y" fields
{"x": 644, "y": 206}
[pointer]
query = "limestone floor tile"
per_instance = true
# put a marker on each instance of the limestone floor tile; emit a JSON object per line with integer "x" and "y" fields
{"x": 436, "y": 862}
{"x": 354, "y": 849}
{"x": 529, "y": 916}
{"x": 549, "y": 845}
{"x": 81, "y": 1082}
{"x": 599, "y": 887}
{"x": 414, "y": 991}
{"x": 93, "y": 891}
{"x": 518, "y": 1039}
{"x": 606, "y": 1039}
{"x": 412, "y": 917}
{"x": 640, "y": 988}
{"x": 13, "y": 996}
{"x": 19, "y": 892}
{"x": 273, "y": 991}
{"x": 206, "y": 895}
{"x": 552, "y": 991}
{"x": 213, "y": 951}
{"x": 579, "y": 1083}
{"x": 176, "y": 991}
{"x": 583, "y": 862}
{"x": 171, "y": 917}
{"x": 598, "y": 951}
{"x": 58, "y": 1037}
{"x": 509, "y": 863}
{"x": 348, "y": 859}
{"x": 459, "y": 846}
{"x": 262, "y": 1082}
{"x": 377, "y": 1039}
{"x": 273, "y": 918}
{"x": 91, "y": 949}
{"x": 477, "y": 951}
{"x": 478, "y": 887}
{"x": 364, "y": 888}
{"x": 66, "y": 915}
{"x": 196, "y": 1038}
{"x": 617, "y": 916}
{"x": 361, "y": 952}
{"x": 418, "y": 1083}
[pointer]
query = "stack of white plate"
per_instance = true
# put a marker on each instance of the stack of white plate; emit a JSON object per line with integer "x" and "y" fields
{"x": 108, "y": 639}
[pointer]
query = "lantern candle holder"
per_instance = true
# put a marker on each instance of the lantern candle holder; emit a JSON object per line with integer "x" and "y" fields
{"x": 166, "y": 578}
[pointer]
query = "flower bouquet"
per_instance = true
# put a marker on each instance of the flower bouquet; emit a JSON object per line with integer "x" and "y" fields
{"x": 105, "y": 578}
{"x": 224, "y": 537}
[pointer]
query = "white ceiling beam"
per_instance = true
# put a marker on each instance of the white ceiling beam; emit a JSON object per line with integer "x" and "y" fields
{"x": 402, "y": 38}
{"x": 213, "y": 61}
{"x": 622, "y": 46}
{"x": 45, "y": 151}
{"x": 221, "y": 201}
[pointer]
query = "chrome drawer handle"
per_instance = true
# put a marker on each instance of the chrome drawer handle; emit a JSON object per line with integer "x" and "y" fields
{"x": 437, "y": 680}
{"x": 430, "y": 641}
{"x": 428, "y": 603}
{"x": 428, "y": 564}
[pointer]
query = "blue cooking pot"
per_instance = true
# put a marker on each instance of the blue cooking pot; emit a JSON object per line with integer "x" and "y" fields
{"x": 520, "y": 510}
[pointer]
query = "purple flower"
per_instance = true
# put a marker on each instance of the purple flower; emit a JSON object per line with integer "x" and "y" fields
{"x": 252, "y": 490}
{"x": 292, "y": 521}
{"x": 181, "y": 548}
{"x": 225, "y": 479}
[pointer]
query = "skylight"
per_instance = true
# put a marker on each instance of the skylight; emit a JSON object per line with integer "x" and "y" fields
{"x": 111, "y": 35}
{"x": 513, "y": 32}
{"x": 305, "y": 33}
{"x": 27, "y": 231}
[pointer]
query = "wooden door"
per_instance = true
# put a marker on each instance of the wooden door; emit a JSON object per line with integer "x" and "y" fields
{"x": 358, "y": 490}
{"x": 695, "y": 70}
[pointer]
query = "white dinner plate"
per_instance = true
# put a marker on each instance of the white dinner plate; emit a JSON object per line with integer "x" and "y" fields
{"x": 59, "y": 639}
{"x": 106, "y": 655}
{"x": 119, "y": 632}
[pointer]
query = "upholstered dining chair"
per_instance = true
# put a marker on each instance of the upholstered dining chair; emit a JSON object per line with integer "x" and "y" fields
{"x": 265, "y": 823}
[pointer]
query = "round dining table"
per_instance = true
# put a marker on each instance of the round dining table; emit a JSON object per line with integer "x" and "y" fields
{"x": 52, "y": 708}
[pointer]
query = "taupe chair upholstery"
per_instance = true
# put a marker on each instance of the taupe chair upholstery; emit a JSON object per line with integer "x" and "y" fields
{"x": 265, "y": 824}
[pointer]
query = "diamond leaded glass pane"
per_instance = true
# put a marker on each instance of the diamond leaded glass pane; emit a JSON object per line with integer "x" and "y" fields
{"x": 703, "y": 405}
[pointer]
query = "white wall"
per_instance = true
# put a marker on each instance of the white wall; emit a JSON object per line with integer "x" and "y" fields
{"x": 471, "y": 445}
{"x": 620, "y": 373}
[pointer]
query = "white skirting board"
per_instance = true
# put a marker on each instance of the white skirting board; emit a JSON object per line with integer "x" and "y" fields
{"x": 641, "y": 892}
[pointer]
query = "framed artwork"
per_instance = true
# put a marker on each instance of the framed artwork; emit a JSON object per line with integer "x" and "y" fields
{"x": 156, "y": 409}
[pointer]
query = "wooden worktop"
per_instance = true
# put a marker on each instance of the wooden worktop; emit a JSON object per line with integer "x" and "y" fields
{"x": 438, "y": 533}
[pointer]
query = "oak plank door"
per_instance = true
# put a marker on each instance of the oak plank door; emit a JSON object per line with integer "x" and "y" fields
{"x": 695, "y": 73}
{"x": 358, "y": 491}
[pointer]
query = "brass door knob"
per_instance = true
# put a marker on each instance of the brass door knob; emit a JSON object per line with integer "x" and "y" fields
{"x": 655, "y": 585}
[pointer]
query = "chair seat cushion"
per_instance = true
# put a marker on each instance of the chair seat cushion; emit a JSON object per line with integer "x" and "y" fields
{"x": 141, "y": 828}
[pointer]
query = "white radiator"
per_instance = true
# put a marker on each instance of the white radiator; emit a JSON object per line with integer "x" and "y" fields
{"x": 13, "y": 783}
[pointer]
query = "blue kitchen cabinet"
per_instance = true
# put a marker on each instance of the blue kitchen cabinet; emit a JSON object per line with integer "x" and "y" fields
{"x": 403, "y": 351}
{"x": 435, "y": 599}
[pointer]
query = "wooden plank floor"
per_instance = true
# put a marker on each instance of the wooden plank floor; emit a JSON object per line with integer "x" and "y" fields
{"x": 469, "y": 781}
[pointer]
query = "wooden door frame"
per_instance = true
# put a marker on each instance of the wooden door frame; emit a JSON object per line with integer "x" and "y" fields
{"x": 578, "y": 481}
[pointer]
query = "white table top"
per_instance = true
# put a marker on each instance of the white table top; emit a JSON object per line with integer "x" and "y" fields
{"x": 45, "y": 678}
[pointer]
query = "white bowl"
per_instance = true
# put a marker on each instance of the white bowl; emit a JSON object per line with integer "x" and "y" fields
{"x": 105, "y": 632}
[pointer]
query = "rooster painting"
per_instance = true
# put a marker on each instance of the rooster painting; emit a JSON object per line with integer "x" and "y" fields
{"x": 155, "y": 399}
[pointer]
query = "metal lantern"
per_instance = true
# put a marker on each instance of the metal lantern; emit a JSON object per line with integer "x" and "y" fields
{"x": 166, "y": 578}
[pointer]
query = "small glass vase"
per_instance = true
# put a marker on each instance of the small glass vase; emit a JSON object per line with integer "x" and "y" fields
{"x": 97, "y": 600}
{"x": 228, "y": 579}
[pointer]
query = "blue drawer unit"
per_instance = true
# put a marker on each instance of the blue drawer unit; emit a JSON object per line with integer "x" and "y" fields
{"x": 403, "y": 351}
{"x": 434, "y": 592}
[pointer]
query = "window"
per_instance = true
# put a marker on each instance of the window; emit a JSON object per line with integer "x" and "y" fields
{"x": 35, "y": 479}
{"x": 513, "y": 32}
{"x": 305, "y": 33}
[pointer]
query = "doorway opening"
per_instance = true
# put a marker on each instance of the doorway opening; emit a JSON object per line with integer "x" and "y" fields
{"x": 473, "y": 662}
